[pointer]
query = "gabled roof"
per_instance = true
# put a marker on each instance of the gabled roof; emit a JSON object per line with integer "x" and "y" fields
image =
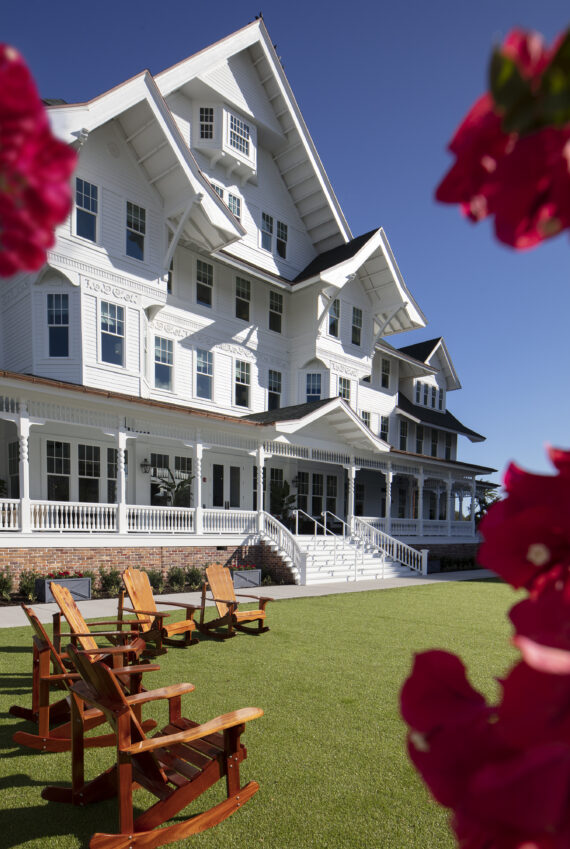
{"x": 435, "y": 418}
{"x": 368, "y": 257}
{"x": 294, "y": 152}
{"x": 424, "y": 351}
{"x": 335, "y": 411}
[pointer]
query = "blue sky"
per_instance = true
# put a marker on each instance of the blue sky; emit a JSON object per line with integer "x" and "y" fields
{"x": 382, "y": 87}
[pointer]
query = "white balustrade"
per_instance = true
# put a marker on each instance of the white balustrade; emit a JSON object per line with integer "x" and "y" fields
{"x": 147, "y": 519}
{"x": 287, "y": 544}
{"x": 229, "y": 521}
{"x": 395, "y": 549}
{"x": 9, "y": 514}
{"x": 73, "y": 516}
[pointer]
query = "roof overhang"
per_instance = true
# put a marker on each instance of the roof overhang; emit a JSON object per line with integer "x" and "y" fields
{"x": 447, "y": 367}
{"x": 194, "y": 213}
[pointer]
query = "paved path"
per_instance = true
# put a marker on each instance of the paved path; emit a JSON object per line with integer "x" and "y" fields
{"x": 13, "y": 616}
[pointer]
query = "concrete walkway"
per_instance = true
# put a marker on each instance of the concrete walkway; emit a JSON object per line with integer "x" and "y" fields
{"x": 14, "y": 616}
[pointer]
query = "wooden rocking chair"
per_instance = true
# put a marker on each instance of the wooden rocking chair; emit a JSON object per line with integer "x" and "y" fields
{"x": 54, "y": 720}
{"x": 176, "y": 765}
{"x": 154, "y": 630}
{"x": 219, "y": 582}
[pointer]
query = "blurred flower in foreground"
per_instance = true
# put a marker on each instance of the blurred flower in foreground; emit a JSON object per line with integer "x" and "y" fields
{"x": 513, "y": 147}
{"x": 35, "y": 168}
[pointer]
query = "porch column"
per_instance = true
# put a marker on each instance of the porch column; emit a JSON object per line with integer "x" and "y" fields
{"x": 122, "y": 522}
{"x": 198, "y": 512}
{"x": 420, "y": 480}
{"x": 450, "y": 504}
{"x": 24, "y": 469}
{"x": 389, "y": 478}
{"x": 260, "y": 461}
{"x": 351, "y": 471}
{"x": 472, "y": 511}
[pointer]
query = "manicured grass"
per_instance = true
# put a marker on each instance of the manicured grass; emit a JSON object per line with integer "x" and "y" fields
{"x": 329, "y": 753}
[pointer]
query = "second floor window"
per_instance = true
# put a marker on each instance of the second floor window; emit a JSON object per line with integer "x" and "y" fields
{"x": 384, "y": 427}
{"x": 204, "y": 374}
{"x": 266, "y": 231}
{"x": 448, "y": 446}
{"x": 274, "y": 390}
{"x": 243, "y": 297}
{"x": 86, "y": 201}
{"x": 365, "y": 416}
{"x": 403, "y": 436}
{"x": 313, "y": 387}
{"x": 385, "y": 378}
{"x": 206, "y": 122}
{"x": 434, "y": 442}
{"x": 58, "y": 325}
{"x": 419, "y": 439}
{"x": 136, "y": 229}
{"x": 344, "y": 388}
{"x": 163, "y": 363}
{"x": 334, "y": 318}
{"x": 356, "y": 325}
{"x": 242, "y": 383}
{"x": 112, "y": 333}
{"x": 234, "y": 204}
{"x": 275, "y": 311}
{"x": 204, "y": 283}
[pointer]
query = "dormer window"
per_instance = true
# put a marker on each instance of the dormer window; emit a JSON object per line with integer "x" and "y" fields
{"x": 206, "y": 122}
{"x": 239, "y": 135}
{"x": 227, "y": 139}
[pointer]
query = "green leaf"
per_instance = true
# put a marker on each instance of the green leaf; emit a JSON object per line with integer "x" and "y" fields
{"x": 508, "y": 88}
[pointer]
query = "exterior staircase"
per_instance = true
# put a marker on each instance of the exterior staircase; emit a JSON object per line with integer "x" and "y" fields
{"x": 344, "y": 559}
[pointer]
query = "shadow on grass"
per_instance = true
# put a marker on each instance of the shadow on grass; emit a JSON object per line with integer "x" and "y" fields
{"x": 16, "y": 649}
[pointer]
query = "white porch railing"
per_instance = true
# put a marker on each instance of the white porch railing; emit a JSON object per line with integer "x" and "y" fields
{"x": 286, "y": 543}
{"x": 72, "y": 516}
{"x": 229, "y": 521}
{"x": 165, "y": 520}
{"x": 405, "y": 554}
{"x": 9, "y": 514}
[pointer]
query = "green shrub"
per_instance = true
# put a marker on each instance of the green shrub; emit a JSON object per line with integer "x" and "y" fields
{"x": 177, "y": 579}
{"x": 89, "y": 573}
{"x": 5, "y": 585}
{"x": 27, "y": 584}
{"x": 109, "y": 581}
{"x": 194, "y": 578}
{"x": 156, "y": 580}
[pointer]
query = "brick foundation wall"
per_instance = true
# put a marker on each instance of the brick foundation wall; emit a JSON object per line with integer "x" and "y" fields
{"x": 45, "y": 560}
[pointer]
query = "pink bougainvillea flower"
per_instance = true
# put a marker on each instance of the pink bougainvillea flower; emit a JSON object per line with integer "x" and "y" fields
{"x": 524, "y": 182}
{"x": 35, "y": 168}
{"x": 527, "y": 535}
{"x": 534, "y": 709}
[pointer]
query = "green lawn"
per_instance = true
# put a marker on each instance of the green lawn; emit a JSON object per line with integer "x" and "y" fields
{"x": 329, "y": 753}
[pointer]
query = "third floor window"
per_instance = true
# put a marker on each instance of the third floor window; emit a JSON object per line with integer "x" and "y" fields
{"x": 334, "y": 318}
{"x": 204, "y": 283}
{"x": 275, "y": 311}
{"x": 385, "y": 378}
{"x": 206, "y": 122}
{"x": 356, "y": 325}
{"x": 243, "y": 298}
{"x": 86, "y": 209}
{"x": 136, "y": 229}
{"x": 112, "y": 333}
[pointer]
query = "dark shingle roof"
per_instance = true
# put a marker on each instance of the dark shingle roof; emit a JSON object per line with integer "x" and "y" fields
{"x": 421, "y": 350}
{"x": 435, "y": 418}
{"x": 330, "y": 258}
{"x": 296, "y": 411}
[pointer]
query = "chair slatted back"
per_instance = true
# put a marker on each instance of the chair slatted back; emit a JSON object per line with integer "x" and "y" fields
{"x": 139, "y": 590}
{"x": 43, "y": 638}
{"x": 221, "y": 585}
{"x": 72, "y": 614}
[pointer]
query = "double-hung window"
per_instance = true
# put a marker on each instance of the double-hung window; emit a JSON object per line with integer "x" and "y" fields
{"x": 440, "y": 400}
{"x": 204, "y": 282}
{"x": 239, "y": 135}
{"x": 385, "y": 378}
{"x": 334, "y": 318}
{"x": 58, "y": 325}
{"x": 344, "y": 388}
{"x": 384, "y": 427}
{"x": 112, "y": 333}
{"x": 58, "y": 459}
{"x": 356, "y": 325}
{"x": 242, "y": 383}
{"x": 243, "y": 298}
{"x": 275, "y": 311}
{"x": 434, "y": 441}
{"x": 266, "y": 231}
{"x": 426, "y": 391}
{"x": 274, "y": 390}
{"x": 433, "y": 396}
{"x": 403, "y": 436}
{"x": 418, "y": 393}
{"x": 89, "y": 472}
{"x": 163, "y": 363}
{"x": 303, "y": 491}
{"x": 419, "y": 439}
{"x": 281, "y": 241}
{"x": 86, "y": 202}
{"x": 204, "y": 374}
{"x": 365, "y": 416}
{"x": 234, "y": 204}
{"x": 313, "y": 387}
{"x": 206, "y": 122}
{"x": 448, "y": 445}
{"x": 136, "y": 229}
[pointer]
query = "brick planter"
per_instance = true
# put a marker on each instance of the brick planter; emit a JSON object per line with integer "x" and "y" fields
{"x": 80, "y": 588}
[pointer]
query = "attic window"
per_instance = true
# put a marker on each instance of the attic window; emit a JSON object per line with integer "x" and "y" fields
{"x": 206, "y": 122}
{"x": 239, "y": 135}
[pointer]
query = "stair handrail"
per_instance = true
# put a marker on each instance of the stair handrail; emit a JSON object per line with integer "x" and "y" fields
{"x": 394, "y": 548}
{"x": 346, "y": 532}
{"x": 286, "y": 542}
{"x": 345, "y": 525}
{"x": 316, "y": 524}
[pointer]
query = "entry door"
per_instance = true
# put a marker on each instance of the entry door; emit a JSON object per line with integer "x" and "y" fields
{"x": 217, "y": 485}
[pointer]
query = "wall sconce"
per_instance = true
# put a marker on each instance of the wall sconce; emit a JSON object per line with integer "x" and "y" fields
{"x": 145, "y": 467}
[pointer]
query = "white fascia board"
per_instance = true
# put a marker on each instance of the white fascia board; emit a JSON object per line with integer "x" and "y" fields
{"x": 336, "y": 404}
{"x": 256, "y": 33}
{"x": 407, "y": 415}
{"x": 417, "y": 366}
{"x": 449, "y": 369}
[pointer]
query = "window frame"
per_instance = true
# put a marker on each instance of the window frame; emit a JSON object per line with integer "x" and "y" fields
{"x": 109, "y": 334}
{"x": 167, "y": 349}
{"x": 344, "y": 388}
{"x": 88, "y": 214}
{"x": 316, "y": 377}
{"x": 207, "y": 123}
{"x": 365, "y": 416}
{"x": 242, "y": 369}
{"x": 234, "y": 205}
{"x": 207, "y": 375}
{"x": 384, "y": 428}
{"x": 274, "y": 389}
{"x": 275, "y": 312}
{"x": 281, "y": 239}
{"x": 135, "y": 235}
{"x": 239, "y": 135}
{"x": 334, "y": 319}
{"x": 266, "y": 232}
{"x": 356, "y": 337}
{"x": 243, "y": 297}
{"x": 204, "y": 283}
{"x": 52, "y": 311}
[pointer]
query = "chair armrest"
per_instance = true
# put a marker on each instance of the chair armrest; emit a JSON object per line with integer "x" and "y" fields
{"x": 177, "y": 604}
{"x": 108, "y": 650}
{"x": 136, "y": 670}
{"x": 63, "y": 676}
{"x": 220, "y": 723}
{"x": 146, "y": 612}
{"x": 168, "y": 692}
{"x": 225, "y": 600}
{"x": 106, "y": 622}
{"x": 102, "y": 634}
{"x": 255, "y": 597}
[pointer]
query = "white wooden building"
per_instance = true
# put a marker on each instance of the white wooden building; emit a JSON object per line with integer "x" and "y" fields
{"x": 206, "y": 313}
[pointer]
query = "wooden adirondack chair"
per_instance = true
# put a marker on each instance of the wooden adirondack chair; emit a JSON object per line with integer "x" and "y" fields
{"x": 219, "y": 582}
{"x": 83, "y": 634}
{"x": 154, "y": 630}
{"x": 176, "y": 765}
{"x": 54, "y": 720}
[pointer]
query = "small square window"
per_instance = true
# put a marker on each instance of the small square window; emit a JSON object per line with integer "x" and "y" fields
{"x": 136, "y": 229}
{"x": 281, "y": 241}
{"x": 234, "y": 204}
{"x": 334, "y": 318}
{"x": 356, "y": 325}
{"x": 163, "y": 362}
{"x": 86, "y": 201}
{"x": 266, "y": 231}
{"x": 204, "y": 283}
{"x": 243, "y": 298}
{"x": 275, "y": 311}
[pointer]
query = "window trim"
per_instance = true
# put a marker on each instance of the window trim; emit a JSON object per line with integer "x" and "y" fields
{"x": 276, "y": 312}
{"x": 132, "y": 229}
{"x": 334, "y": 318}
{"x": 210, "y": 375}
{"x": 49, "y": 326}
{"x": 208, "y": 282}
{"x": 89, "y": 212}
{"x": 246, "y": 371}
{"x": 123, "y": 337}
{"x": 170, "y": 350}
{"x": 356, "y": 326}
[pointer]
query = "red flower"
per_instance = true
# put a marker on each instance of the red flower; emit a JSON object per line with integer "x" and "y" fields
{"x": 35, "y": 168}
{"x": 523, "y": 181}
{"x": 527, "y": 535}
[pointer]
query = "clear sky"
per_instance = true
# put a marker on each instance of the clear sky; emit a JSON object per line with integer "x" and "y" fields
{"x": 382, "y": 86}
